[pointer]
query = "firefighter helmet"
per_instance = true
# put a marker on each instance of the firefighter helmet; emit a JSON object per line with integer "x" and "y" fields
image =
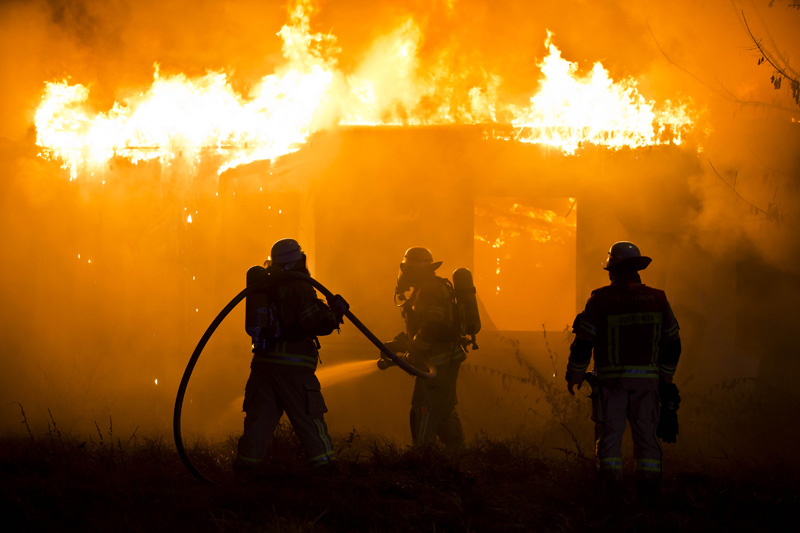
{"x": 417, "y": 256}
{"x": 626, "y": 256}
{"x": 286, "y": 251}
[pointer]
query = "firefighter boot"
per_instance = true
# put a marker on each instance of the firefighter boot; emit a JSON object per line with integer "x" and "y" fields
{"x": 245, "y": 470}
{"x": 611, "y": 489}
{"x": 648, "y": 492}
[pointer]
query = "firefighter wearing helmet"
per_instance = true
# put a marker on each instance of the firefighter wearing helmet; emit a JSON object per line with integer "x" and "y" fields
{"x": 285, "y": 354}
{"x": 631, "y": 332}
{"x": 431, "y": 340}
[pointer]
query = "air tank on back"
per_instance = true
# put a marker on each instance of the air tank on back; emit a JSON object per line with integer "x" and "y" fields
{"x": 257, "y": 320}
{"x": 467, "y": 302}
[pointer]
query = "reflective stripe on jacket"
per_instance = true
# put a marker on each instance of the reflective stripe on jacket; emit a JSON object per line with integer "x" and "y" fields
{"x": 627, "y": 324}
{"x": 286, "y": 353}
{"x": 303, "y": 316}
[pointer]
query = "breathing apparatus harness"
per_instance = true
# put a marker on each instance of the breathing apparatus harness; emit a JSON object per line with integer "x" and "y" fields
{"x": 463, "y": 297}
{"x": 269, "y": 282}
{"x": 464, "y": 302}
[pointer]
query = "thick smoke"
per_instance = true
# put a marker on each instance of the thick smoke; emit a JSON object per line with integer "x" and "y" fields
{"x": 88, "y": 340}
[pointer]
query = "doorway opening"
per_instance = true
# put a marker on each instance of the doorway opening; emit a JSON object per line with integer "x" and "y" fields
{"x": 525, "y": 261}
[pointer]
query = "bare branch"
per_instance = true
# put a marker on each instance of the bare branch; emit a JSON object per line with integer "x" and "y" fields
{"x": 772, "y": 213}
{"x": 775, "y": 48}
{"x": 727, "y": 94}
{"x": 782, "y": 70}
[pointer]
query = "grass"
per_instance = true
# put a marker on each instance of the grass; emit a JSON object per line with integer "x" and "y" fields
{"x": 61, "y": 482}
{"x": 733, "y": 469}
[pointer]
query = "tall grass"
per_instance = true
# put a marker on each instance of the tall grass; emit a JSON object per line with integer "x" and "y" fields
{"x": 105, "y": 481}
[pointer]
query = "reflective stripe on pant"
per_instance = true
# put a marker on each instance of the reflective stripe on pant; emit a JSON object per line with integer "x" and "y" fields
{"x": 272, "y": 390}
{"x": 433, "y": 408}
{"x": 427, "y": 425}
{"x": 611, "y": 408}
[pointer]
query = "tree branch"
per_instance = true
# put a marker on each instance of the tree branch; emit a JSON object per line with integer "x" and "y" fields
{"x": 727, "y": 95}
{"x": 772, "y": 213}
{"x": 795, "y": 83}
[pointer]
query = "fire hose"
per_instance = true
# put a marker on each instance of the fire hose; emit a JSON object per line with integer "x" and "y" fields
{"x": 277, "y": 278}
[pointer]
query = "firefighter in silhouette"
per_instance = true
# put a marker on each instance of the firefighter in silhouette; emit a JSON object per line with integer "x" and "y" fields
{"x": 285, "y": 355}
{"x": 431, "y": 340}
{"x": 633, "y": 335}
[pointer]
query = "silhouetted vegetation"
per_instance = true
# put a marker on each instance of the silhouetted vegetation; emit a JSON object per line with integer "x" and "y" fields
{"x": 112, "y": 482}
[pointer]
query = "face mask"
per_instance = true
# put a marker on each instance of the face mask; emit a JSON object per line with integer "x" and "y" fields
{"x": 408, "y": 277}
{"x": 403, "y": 283}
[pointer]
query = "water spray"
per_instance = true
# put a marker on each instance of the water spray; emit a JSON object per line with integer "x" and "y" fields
{"x": 332, "y": 375}
{"x": 271, "y": 280}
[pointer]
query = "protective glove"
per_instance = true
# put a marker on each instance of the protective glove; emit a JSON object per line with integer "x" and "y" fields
{"x": 573, "y": 379}
{"x": 667, "y": 429}
{"x": 384, "y": 362}
{"x": 339, "y": 307}
{"x": 670, "y": 399}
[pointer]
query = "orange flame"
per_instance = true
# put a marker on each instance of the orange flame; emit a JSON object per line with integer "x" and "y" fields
{"x": 187, "y": 119}
{"x": 186, "y": 116}
{"x": 531, "y": 223}
{"x": 569, "y": 110}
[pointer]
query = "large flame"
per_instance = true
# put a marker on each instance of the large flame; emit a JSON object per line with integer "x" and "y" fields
{"x": 185, "y": 116}
{"x": 179, "y": 117}
{"x": 570, "y": 110}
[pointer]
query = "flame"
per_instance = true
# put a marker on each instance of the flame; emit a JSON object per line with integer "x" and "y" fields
{"x": 181, "y": 116}
{"x": 384, "y": 84}
{"x": 570, "y": 110}
{"x": 389, "y": 89}
{"x": 531, "y": 223}
{"x": 183, "y": 120}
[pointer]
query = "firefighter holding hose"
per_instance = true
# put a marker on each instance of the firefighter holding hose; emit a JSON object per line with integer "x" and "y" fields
{"x": 284, "y": 322}
{"x": 632, "y": 333}
{"x": 432, "y": 339}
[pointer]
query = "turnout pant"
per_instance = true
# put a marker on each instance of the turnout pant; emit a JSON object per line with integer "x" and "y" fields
{"x": 433, "y": 408}
{"x": 273, "y": 389}
{"x": 611, "y": 408}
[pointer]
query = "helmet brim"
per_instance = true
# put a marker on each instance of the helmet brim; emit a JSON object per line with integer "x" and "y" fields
{"x": 630, "y": 263}
{"x": 432, "y": 266}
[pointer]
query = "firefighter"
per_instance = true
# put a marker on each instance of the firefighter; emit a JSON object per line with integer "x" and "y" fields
{"x": 431, "y": 340}
{"x": 633, "y": 335}
{"x": 282, "y": 372}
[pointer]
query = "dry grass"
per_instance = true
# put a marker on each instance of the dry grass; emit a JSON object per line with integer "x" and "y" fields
{"x": 102, "y": 483}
